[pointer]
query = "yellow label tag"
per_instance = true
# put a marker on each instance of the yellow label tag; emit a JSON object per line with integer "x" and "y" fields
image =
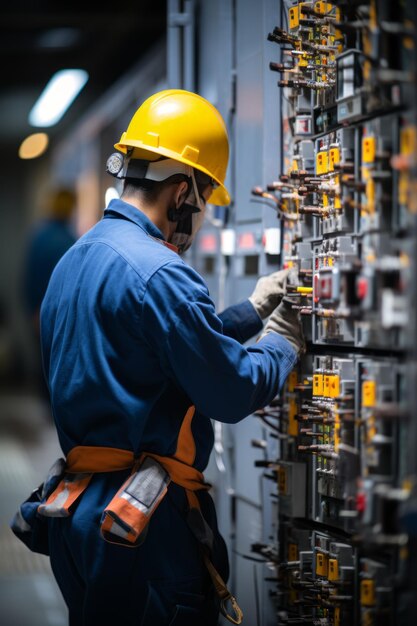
{"x": 337, "y": 426}
{"x": 373, "y": 21}
{"x": 403, "y": 187}
{"x": 370, "y": 195}
{"x": 334, "y": 158}
{"x": 321, "y": 564}
{"x": 292, "y": 552}
{"x": 323, "y": 7}
{"x": 334, "y": 386}
{"x": 370, "y": 429}
{"x": 367, "y": 592}
{"x": 292, "y": 422}
{"x": 293, "y": 17}
{"x": 317, "y": 385}
{"x": 368, "y": 393}
{"x": 333, "y": 569}
{"x": 368, "y": 149}
{"x": 322, "y": 165}
{"x": 282, "y": 481}
{"x": 408, "y": 142}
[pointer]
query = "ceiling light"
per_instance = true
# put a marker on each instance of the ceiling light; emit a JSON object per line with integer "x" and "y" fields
{"x": 33, "y": 146}
{"x": 59, "y": 38}
{"x": 57, "y": 96}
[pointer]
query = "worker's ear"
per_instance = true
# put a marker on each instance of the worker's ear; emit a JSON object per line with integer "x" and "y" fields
{"x": 180, "y": 193}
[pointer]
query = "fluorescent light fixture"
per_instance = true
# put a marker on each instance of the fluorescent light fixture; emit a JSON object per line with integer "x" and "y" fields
{"x": 65, "y": 37}
{"x": 57, "y": 96}
{"x": 33, "y": 146}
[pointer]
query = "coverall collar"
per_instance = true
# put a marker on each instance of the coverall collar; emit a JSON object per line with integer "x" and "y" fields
{"x": 128, "y": 211}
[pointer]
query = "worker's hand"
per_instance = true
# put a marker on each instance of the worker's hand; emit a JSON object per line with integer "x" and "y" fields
{"x": 268, "y": 293}
{"x": 286, "y": 322}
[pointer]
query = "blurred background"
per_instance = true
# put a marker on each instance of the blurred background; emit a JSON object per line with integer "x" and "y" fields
{"x": 39, "y": 39}
{"x": 46, "y": 202}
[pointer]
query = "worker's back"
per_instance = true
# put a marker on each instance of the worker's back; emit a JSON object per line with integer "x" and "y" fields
{"x": 104, "y": 368}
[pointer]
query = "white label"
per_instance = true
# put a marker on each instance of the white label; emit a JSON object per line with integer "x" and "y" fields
{"x": 272, "y": 239}
{"x": 228, "y": 242}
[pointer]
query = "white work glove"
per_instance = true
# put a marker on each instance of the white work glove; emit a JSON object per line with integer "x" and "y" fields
{"x": 286, "y": 322}
{"x": 268, "y": 293}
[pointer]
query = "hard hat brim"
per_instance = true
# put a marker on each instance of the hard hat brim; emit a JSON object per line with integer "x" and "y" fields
{"x": 220, "y": 196}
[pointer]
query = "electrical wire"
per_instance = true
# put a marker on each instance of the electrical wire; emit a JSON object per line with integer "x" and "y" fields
{"x": 281, "y": 214}
{"x": 268, "y": 423}
{"x": 272, "y": 206}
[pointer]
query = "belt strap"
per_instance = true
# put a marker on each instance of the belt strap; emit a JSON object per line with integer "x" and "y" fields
{"x": 95, "y": 459}
{"x": 218, "y": 582}
{"x": 84, "y": 461}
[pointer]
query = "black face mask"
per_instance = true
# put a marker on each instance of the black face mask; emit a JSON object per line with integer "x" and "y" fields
{"x": 186, "y": 230}
{"x": 189, "y": 218}
{"x": 189, "y": 222}
{"x": 182, "y": 213}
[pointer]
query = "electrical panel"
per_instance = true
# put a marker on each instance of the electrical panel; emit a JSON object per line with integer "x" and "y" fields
{"x": 336, "y": 453}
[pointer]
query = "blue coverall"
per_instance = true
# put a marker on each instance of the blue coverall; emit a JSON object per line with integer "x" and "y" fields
{"x": 130, "y": 339}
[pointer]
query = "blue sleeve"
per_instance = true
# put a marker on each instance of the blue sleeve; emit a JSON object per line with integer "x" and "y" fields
{"x": 224, "y": 380}
{"x": 241, "y": 321}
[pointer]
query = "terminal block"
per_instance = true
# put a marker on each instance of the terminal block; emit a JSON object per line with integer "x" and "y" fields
{"x": 334, "y": 262}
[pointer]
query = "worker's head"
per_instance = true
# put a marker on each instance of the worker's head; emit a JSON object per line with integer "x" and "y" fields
{"x": 176, "y": 146}
{"x": 60, "y": 203}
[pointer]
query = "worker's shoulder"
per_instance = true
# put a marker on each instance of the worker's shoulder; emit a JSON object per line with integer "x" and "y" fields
{"x": 177, "y": 282}
{"x": 124, "y": 243}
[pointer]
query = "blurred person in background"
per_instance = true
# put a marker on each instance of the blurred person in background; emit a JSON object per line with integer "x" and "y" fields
{"x": 50, "y": 237}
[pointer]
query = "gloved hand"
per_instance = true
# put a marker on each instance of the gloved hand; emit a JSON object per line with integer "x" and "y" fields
{"x": 286, "y": 322}
{"x": 268, "y": 293}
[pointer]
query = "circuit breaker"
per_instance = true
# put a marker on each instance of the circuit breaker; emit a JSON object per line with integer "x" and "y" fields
{"x": 345, "y": 201}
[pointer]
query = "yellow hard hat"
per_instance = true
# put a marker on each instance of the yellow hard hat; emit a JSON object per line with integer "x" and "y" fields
{"x": 181, "y": 125}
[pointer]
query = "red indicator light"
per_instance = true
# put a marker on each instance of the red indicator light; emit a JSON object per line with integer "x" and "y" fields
{"x": 246, "y": 240}
{"x": 208, "y": 243}
{"x": 362, "y": 288}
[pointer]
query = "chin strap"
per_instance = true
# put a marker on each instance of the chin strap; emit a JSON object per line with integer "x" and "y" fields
{"x": 196, "y": 194}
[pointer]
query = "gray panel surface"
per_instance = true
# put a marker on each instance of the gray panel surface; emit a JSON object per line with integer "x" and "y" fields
{"x": 248, "y": 160}
{"x": 248, "y": 574}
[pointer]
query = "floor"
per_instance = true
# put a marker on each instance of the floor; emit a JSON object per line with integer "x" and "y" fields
{"x": 29, "y": 595}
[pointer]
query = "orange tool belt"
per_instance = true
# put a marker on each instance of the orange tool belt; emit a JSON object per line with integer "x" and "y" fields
{"x": 126, "y": 517}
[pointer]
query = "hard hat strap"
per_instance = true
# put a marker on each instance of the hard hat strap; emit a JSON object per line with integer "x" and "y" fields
{"x": 196, "y": 194}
